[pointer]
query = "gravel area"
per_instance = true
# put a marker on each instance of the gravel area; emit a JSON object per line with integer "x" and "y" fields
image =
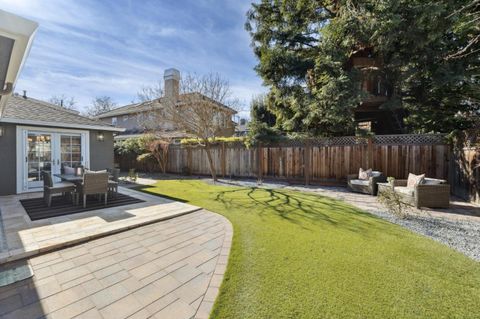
{"x": 462, "y": 235}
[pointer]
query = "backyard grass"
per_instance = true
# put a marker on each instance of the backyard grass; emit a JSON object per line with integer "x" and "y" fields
{"x": 300, "y": 255}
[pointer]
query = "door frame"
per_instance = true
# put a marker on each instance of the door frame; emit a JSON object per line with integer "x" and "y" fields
{"x": 22, "y": 185}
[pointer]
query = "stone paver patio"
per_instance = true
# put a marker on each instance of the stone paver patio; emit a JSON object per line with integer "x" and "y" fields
{"x": 169, "y": 269}
{"x": 20, "y": 237}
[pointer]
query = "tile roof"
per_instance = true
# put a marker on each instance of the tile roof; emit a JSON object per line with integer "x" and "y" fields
{"x": 29, "y": 110}
{"x": 145, "y": 106}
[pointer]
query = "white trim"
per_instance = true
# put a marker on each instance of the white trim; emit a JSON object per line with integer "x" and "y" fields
{"x": 22, "y": 31}
{"x": 62, "y": 125}
{"x": 20, "y": 144}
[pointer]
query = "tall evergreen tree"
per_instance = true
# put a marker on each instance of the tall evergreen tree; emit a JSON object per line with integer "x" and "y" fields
{"x": 304, "y": 48}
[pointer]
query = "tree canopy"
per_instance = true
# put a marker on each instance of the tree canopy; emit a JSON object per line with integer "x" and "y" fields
{"x": 428, "y": 52}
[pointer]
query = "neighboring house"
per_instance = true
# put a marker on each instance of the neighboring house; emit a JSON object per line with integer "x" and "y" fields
{"x": 241, "y": 128}
{"x": 35, "y": 135}
{"x": 137, "y": 118}
{"x": 369, "y": 115}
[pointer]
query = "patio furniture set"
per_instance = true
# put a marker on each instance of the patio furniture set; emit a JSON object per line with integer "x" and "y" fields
{"x": 417, "y": 190}
{"x": 79, "y": 183}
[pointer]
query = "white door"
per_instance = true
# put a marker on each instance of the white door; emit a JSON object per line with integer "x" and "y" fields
{"x": 47, "y": 150}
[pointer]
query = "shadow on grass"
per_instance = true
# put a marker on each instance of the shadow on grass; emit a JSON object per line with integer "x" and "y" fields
{"x": 296, "y": 207}
{"x": 301, "y": 208}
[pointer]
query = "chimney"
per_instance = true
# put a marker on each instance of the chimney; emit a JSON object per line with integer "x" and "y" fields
{"x": 24, "y": 94}
{"x": 172, "y": 83}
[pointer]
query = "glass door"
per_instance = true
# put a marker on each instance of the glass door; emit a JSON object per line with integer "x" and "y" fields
{"x": 71, "y": 150}
{"x": 39, "y": 157}
{"x": 48, "y": 150}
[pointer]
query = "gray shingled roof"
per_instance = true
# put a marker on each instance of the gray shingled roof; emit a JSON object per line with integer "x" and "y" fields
{"x": 25, "y": 111}
{"x": 146, "y": 106}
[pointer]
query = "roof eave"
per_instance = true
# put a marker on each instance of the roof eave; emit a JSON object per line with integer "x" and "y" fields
{"x": 62, "y": 125}
{"x": 23, "y": 32}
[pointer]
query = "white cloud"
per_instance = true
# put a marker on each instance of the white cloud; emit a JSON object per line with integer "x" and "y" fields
{"x": 89, "y": 48}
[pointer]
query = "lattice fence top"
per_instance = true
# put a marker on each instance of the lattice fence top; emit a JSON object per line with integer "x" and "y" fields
{"x": 415, "y": 139}
{"x": 403, "y": 139}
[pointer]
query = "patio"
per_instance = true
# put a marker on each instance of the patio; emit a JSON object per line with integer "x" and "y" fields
{"x": 20, "y": 237}
{"x": 170, "y": 269}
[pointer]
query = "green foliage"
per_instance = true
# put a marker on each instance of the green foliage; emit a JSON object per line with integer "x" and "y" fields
{"x": 299, "y": 255}
{"x": 213, "y": 141}
{"x": 262, "y": 125}
{"x": 426, "y": 49}
{"x": 135, "y": 146}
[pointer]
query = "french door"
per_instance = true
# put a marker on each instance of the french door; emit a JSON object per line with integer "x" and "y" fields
{"x": 49, "y": 151}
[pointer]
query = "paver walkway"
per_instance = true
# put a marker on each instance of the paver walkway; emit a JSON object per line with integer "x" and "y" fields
{"x": 170, "y": 269}
{"x": 20, "y": 237}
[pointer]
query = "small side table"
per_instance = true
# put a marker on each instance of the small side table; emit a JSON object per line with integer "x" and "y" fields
{"x": 384, "y": 187}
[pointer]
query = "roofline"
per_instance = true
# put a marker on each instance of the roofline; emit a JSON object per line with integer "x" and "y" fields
{"x": 22, "y": 31}
{"x": 159, "y": 101}
{"x": 64, "y": 125}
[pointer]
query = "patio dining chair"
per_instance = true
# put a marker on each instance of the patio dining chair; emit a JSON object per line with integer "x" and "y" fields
{"x": 113, "y": 181}
{"x": 50, "y": 189}
{"x": 94, "y": 183}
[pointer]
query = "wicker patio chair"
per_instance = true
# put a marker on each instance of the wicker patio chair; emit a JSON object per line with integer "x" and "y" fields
{"x": 433, "y": 193}
{"x": 368, "y": 186}
{"x": 113, "y": 181}
{"x": 94, "y": 183}
{"x": 50, "y": 189}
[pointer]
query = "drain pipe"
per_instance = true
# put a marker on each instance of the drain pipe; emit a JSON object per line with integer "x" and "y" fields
{"x": 7, "y": 90}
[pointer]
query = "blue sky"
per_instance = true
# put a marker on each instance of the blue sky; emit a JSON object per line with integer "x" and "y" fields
{"x": 90, "y": 48}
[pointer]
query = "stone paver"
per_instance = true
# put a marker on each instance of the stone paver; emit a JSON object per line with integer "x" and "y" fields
{"x": 106, "y": 278}
{"x": 20, "y": 237}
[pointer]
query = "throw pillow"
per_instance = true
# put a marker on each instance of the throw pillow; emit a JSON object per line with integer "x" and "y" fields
{"x": 414, "y": 180}
{"x": 364, "y": 174}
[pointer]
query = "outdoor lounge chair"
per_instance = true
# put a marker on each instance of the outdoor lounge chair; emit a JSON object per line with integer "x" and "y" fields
{"x": 94, "y": 183}
{"x": 366, "y": 186}
{"x": 431, "y": 192}
{"x": 50, "y": 189}
{"x": 113, "y": 181}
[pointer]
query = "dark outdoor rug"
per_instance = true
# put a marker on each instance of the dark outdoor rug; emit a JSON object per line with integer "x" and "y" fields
{"x": 37, "y": 208}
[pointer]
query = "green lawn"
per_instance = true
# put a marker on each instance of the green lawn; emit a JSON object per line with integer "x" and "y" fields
{"x": 299, "y": 255}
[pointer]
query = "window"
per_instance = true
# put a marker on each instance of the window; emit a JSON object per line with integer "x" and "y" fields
{"x": 125, "y": 118}
{"x": 365, "y": 126}
{"x": 114, "y": 121}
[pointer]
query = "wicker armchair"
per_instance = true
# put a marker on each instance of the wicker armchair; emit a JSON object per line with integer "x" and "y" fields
{"x": 94, "y": 183}
{"x": 50, "y": 189}
{"x": 365, "y": 186}
{"x": 433, "y": 195}
{"x": 113, "y": 182}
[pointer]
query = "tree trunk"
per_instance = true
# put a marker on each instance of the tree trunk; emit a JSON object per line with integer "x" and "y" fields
{"x": 210, "y": 161}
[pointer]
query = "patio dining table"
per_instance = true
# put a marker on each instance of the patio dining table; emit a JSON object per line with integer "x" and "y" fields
{"x": 76, "y": 179}
{"x": 69, "y": 178}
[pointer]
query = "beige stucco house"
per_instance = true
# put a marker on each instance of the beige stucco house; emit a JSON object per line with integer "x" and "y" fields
{"x": 134, "y": 117}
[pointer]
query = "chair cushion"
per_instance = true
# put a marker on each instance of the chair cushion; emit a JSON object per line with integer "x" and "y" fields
{"x": 69, "y": 170}
{"x": 432, "y": 181}
{"x": 404, "y": 190}
{"x": 96, "y": 172}
{"x": 62, "y": 185}
{"x": 414, "y": 180}
{"x": 364, "y": 174}
{"x": 361, "y": 182}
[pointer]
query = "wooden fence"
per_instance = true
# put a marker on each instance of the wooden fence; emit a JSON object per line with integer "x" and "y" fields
{"x": 464, "y": 170}
{"x": 319, "y": 161}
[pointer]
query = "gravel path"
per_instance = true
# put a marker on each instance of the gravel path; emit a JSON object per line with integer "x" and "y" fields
{"x": 460, "y": 234}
